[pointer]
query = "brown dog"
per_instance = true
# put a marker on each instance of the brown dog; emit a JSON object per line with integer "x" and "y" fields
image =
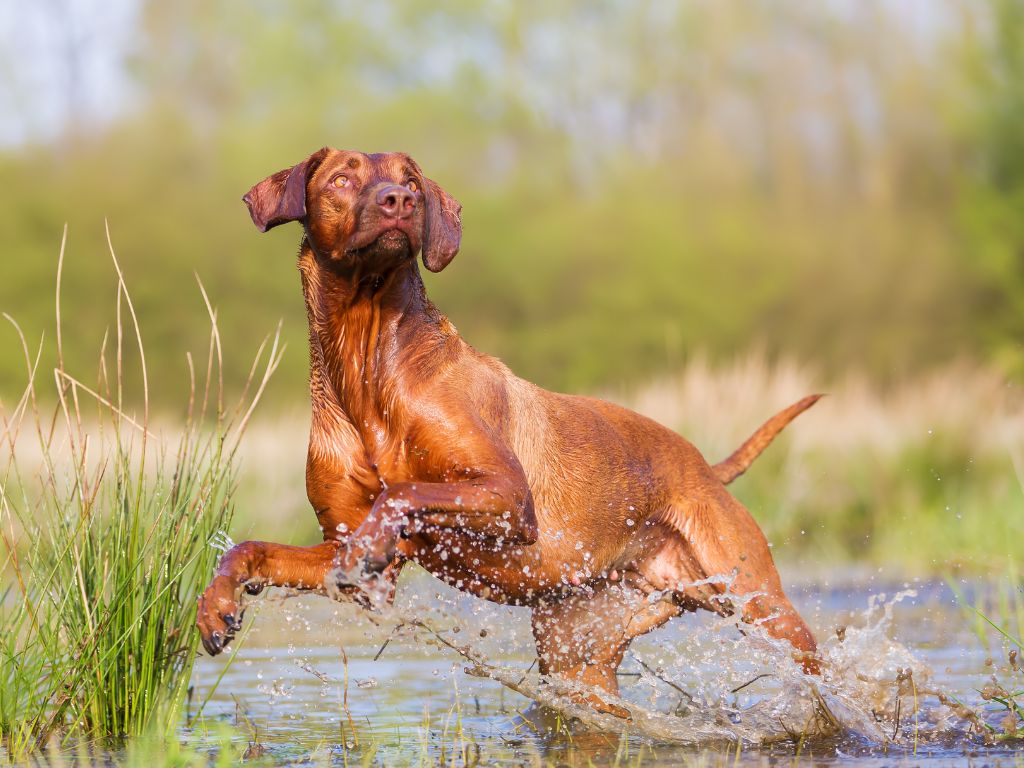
{"x": 422, "y": 448}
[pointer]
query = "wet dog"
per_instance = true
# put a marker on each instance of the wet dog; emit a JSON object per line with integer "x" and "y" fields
{"x": 421, "y": 448}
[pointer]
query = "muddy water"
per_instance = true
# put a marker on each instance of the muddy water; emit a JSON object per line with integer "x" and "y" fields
{"x": 431, "y": 682}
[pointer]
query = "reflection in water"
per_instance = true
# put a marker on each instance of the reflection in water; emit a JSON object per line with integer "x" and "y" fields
{"x": 316, "y": 676}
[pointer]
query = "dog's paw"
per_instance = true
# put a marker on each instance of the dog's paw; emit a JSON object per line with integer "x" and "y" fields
{"x": 356, "y": 585}
{"x": 219, "y": 614}
{"x": 369, "y": 588}
{"x": 341, "y": 581}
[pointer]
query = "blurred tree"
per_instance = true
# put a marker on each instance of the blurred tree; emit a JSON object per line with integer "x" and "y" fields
{"x": 640, "y": 182}
{"x": 993, "y": 205}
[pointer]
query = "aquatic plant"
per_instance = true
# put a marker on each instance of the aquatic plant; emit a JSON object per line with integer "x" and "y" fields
{"x": 108, "y": 543}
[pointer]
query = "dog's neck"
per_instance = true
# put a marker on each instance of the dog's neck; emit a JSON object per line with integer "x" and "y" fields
{"x": 364, "y": 329}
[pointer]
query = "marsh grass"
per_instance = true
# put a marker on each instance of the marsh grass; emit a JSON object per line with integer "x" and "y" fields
{"x": 108, "y": 537}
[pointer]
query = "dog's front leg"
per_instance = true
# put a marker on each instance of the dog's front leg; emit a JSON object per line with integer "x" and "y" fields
{"x": 251, "y": 566}
{"x": 491, "y": 507}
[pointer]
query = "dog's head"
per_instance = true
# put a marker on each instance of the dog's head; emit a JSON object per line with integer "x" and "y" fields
{"x": 375, "y": 210}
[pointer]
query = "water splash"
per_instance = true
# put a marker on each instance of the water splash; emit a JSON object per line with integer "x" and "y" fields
{"x": 221, "y": 541}
{"x": 729, "y": 683}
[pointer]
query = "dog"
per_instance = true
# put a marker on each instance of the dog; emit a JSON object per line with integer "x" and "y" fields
{"x": 604, "y": 522}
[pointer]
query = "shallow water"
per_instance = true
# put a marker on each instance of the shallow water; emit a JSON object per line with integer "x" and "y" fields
{"x": 307, "y": 687}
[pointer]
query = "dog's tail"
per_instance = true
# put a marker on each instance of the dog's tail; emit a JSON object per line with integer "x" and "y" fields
{"x": 741, "y": 459}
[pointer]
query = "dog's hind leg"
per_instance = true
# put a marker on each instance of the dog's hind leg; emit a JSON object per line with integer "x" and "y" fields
{"x": 584, "y": 635}
{"x": 718, "y": 537}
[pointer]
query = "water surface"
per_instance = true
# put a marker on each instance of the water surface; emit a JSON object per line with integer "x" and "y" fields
{"x": 311, "y": 683}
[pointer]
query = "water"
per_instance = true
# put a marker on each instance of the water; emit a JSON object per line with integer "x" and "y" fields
{"x": 306, "y": 686}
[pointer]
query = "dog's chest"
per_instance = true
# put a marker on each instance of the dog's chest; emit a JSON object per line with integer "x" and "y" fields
{"x": 367, "y": 458}
{"x": 341, "y": 477}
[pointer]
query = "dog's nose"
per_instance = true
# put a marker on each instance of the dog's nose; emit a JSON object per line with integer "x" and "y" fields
{"x": 396, "y": 201}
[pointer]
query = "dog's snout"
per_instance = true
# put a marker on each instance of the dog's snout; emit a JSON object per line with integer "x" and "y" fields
{"x": 396, "y": 201}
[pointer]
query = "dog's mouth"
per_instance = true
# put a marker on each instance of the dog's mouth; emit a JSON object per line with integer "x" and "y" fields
{"x": 392, "y": 240}
{"x": 391, "y": 243}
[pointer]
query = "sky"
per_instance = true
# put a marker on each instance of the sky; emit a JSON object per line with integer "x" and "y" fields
{"x": 62, "y": 59}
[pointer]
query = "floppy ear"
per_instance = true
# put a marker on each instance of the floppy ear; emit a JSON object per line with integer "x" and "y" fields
{"x": 281, "y": 198}
{"x": 443, "y": 227}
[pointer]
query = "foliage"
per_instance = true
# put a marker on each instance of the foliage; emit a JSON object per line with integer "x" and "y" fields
{"x": 994, "y": 196}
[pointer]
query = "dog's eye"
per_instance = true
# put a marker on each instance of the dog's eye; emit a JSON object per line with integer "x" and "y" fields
{"x": 341, "y": 180}
{"x": 413, "y": 186}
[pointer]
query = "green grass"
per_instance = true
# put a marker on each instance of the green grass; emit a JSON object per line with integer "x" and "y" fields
{"x": 107, "y": 541}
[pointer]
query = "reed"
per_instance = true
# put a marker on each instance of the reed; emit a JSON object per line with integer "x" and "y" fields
{"x": 108, "y": 536}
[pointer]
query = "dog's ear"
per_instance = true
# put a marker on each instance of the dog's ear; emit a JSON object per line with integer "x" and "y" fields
{"x": 281, "y": 198}
{"x": 442, "y": 228}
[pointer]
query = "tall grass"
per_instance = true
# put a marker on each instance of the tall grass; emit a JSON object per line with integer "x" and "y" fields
{"x": 108, "y": 539}
{"x": 920, "y": 475}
